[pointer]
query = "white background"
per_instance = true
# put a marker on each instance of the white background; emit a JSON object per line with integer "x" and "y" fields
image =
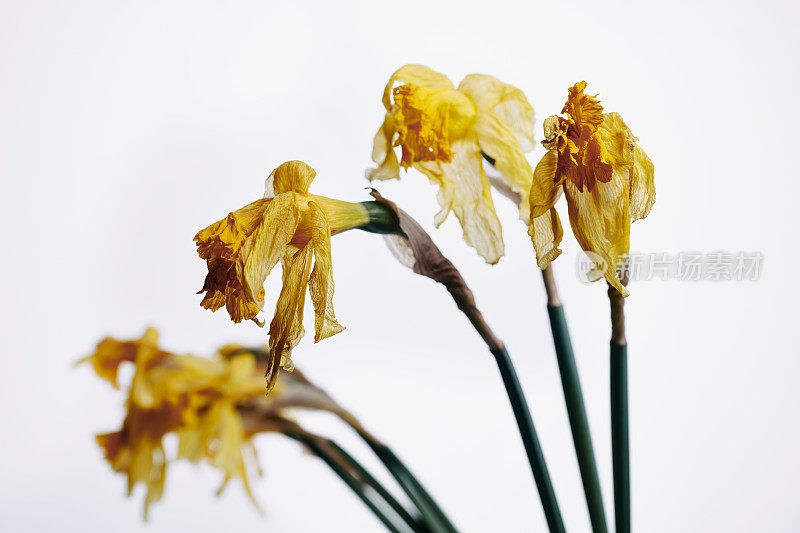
{"x": 126, "y": 127}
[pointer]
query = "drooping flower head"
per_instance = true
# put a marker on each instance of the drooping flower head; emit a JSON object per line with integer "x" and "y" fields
{"x": 289, "y": 225}
{"x": 594, "y": 158}
{"x": 214, "y": 405}
{"x": 444, "y": 131}
{"x": 193, "y": 397}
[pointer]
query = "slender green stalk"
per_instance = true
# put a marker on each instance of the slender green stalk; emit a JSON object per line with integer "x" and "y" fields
{"x": 431, "y": 512}
{"x": 530, "y": 439}
{"x": 619, "y": 437}
{"x": 358, "y": 487}
{"x": 429, "y": 261}
{"x": 380, "y": 489}
{"x": 578, "y": 421}
{"x": 620, "y": 448}
{"x": 576, "y": 410}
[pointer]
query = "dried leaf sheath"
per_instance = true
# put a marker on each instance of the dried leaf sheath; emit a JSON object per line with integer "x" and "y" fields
{"x": 417, "y": 250}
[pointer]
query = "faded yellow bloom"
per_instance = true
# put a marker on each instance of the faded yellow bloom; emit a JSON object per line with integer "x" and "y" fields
{"x": 194, "y": 397}
{"x": 288, "y": 225}
{"x": 594, "y": 158}
{"x": 443, "y": 131}
{"x": 214, "y": 406}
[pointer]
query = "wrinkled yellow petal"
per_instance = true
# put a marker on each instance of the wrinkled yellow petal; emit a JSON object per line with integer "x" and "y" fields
{"x": 631, "y": 161}
{"x": 499, "y": 143}
{"x": 467, "y": 193}
{"x": 545, "y": 190}
{"x": 545, "y": 226}
{"x": 643, "y": 189}
{"x": 268, "y": 244}
{"x": 600, "y": 221}
{"x": 286, "y": 328}
{"x": 321, "y": 281}
{"x": 507, "y": 103}
{"x": 291, "y": 176}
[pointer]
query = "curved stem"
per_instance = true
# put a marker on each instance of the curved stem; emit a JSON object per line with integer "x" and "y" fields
{"x": 530, "y": 439}
{"x": 431, "y": 512}
{"x": 358, "y": 487}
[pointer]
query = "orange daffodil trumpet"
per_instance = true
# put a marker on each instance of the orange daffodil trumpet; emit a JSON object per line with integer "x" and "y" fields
{"x": 607, "y": 179}
{"x": 443, "y": 132}
{"x": 289, "y": 225}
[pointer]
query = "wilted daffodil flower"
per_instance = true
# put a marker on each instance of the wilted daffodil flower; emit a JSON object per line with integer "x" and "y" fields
{"x": 214, "y": 405}
{"x": 608, "y": 181}
{"x": 194, "y": 397}
{"x": 289, "y": 225}
{"x": 443, "y": 132}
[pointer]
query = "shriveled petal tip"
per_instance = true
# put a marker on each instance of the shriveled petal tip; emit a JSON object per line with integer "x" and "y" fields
{"x": 505, "y": 102}
{"x": 293, "y": 176}
{"x": 418, "y": 75}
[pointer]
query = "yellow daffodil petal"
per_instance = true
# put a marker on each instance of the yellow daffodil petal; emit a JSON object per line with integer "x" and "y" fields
{"x": 286, "y": 328}
{"x": 383, "y": 152}
{"x": 268, "y": 244}
{"x": 631, "y": 161}
{"x": 499, "y": 143}
{"x": 321, "y": 280}
{"x": 507, "y": 103}
{"x": 600, "y": 221}
{"x": 291, "y": 176}
{"x": 545, "y": 226}
{"x": 469, "y": 196}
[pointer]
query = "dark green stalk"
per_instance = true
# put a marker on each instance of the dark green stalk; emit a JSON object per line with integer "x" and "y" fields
{"x": 620, "y": 448}
{"x": 578, "y": 421}
{"x": 530, "y": 439}
{"x": 358, "y": 487}
{"x": 380, "y": 489}
{"x": 431, "y": 512}
{"x": 619, "y": 437}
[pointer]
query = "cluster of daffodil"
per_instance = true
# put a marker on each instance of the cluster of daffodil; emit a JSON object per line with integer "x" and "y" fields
{"x": 453, "y": 135}
{"x": 446, "y": 133}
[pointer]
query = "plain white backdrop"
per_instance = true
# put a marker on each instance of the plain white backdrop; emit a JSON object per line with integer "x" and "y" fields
{"x": 127, "y": 126}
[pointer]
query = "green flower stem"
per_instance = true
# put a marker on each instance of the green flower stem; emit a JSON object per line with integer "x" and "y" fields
{"x": 359, "y": 487}
{"x": 530, "y": 439}
{"x": 430, "y": 262}
{"x": 576, "y": 410}
{"x": 620, "y": 448}
{"x": 433, "y": 515}
{"x": 619, "y": 437}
